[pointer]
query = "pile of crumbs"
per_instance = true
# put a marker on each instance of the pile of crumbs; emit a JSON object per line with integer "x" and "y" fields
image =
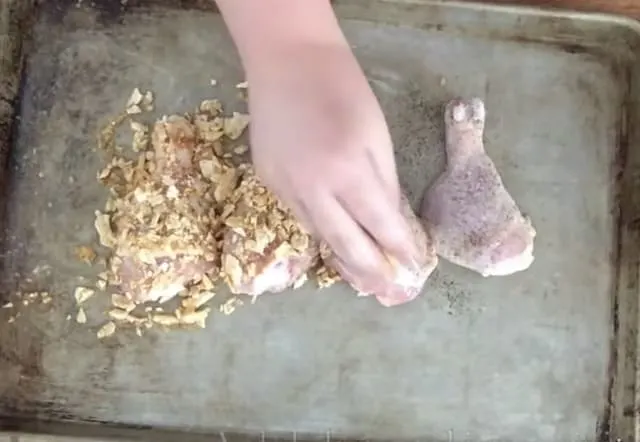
{"x": 174, "y": 194}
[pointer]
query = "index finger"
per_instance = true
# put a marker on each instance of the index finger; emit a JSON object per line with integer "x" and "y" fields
{"x": 366, "y": 266}
{"x": 387, "y": 222}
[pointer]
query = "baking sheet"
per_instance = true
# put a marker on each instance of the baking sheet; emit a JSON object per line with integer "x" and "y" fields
{"x": 544, "y": 355}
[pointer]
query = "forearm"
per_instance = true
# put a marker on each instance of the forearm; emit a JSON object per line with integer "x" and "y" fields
{"x": 262, "y": 27}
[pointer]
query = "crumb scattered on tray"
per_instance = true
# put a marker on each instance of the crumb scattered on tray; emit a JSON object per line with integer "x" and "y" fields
{"x": 230, "y": 305}
{"x": 23, "y": 300}
{"x": 85, "y": 254}
{"x": 107, "y": 330}
{"x": 139, "y": 102}
{"x": 82, "y": 294}
{"x": 81, "y": 316}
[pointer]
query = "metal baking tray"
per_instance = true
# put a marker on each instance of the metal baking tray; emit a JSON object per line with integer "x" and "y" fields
{"x": 549, "y": 354}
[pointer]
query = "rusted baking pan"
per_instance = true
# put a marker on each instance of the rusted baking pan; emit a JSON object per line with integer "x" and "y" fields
{"x": 544, "y": 355}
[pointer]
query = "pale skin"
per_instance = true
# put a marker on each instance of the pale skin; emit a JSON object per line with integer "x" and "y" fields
{"x": 319, "y": 138}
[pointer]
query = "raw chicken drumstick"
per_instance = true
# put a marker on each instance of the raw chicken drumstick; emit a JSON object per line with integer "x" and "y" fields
{"x": 474, "y": 221}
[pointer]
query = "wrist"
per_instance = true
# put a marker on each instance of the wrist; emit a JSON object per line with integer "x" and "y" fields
{"x": 265, "y": 29}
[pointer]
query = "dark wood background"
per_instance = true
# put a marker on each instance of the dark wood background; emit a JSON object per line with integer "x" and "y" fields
{"x": 629, "y": 8}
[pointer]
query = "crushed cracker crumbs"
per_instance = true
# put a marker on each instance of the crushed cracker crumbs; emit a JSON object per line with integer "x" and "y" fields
{"x": 81, "y": 316}
{"x": 106, "y": 330}
{"x": 82, "y": 294}
{"x": 85, "y": 254}
{"x": 230, "y": 305}
{"x": 184, "y": 213}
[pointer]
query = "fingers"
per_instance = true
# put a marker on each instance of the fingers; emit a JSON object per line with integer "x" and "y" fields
{"x": 359, "y": 259}
{"x": 392, "y": 295}
{"x": 383, "y": 220}
{"x": 383, "y": 164}
{"x": 334, "y": 262}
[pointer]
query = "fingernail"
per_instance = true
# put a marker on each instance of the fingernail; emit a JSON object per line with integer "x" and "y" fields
{"x": 413, "y": 254}
{"x": 407, "y": 261}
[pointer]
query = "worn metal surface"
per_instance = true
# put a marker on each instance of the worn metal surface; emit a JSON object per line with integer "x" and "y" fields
{"x": 544, "y": 355}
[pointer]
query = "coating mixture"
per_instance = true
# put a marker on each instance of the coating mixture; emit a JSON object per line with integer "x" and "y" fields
{"x": 187, "y": 212}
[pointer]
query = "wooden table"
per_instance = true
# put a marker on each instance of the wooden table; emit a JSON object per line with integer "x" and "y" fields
{"x": 630, "y": 8}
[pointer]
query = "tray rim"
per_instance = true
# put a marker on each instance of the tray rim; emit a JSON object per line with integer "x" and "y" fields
{"x": 603, "y": 17}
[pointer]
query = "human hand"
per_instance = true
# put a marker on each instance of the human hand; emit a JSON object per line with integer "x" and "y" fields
{"x": 320, "y": 142}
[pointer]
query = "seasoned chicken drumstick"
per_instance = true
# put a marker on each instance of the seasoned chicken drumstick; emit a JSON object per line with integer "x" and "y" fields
{"x": 474, "y": 221}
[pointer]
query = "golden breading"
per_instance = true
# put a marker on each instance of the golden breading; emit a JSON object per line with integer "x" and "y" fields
{"x": 264, "y": 248}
